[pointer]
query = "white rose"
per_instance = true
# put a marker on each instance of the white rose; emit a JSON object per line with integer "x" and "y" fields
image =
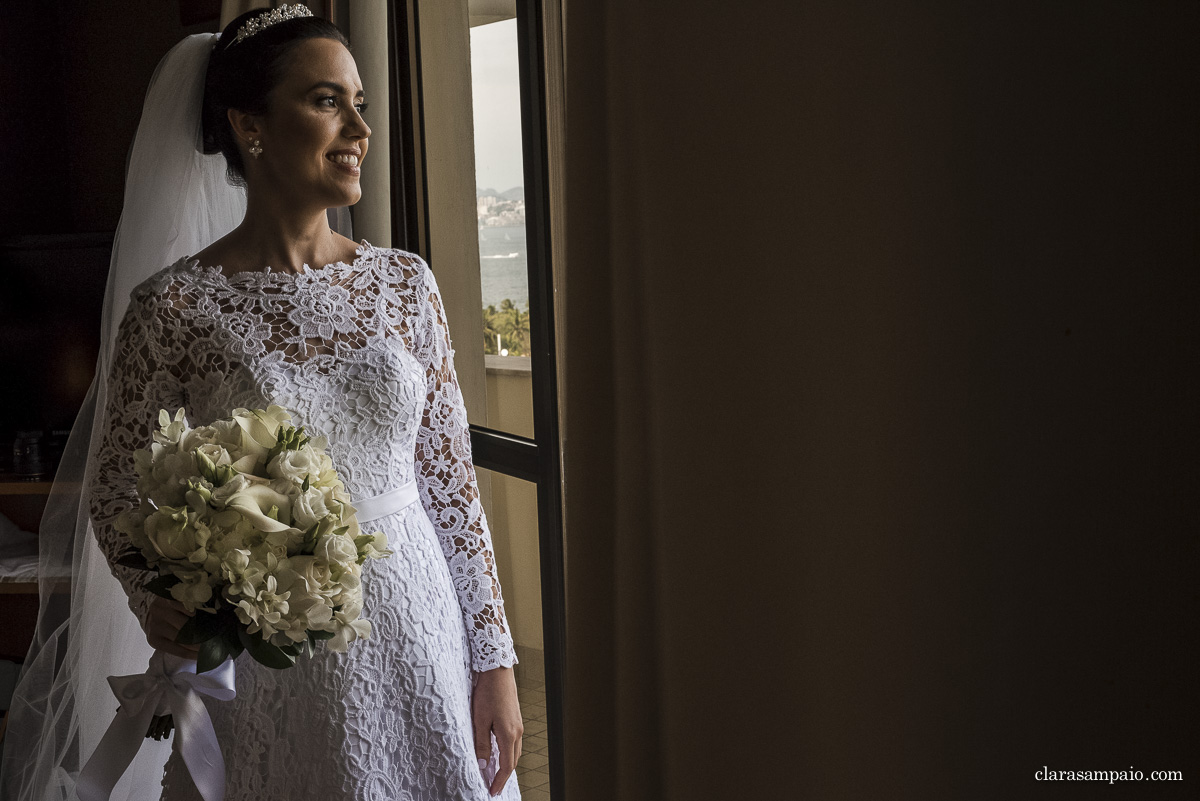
{"x": 314, "y": 573}
{"x": 165, "y": 484}
{"x": 204, "y": 435}
{"x": 336, "y": 549}
{"x": 309, "y": 508}
{"x": 295, "y": 465}
{"x": 170, "y": 533}
{"x": 216, "y": 454}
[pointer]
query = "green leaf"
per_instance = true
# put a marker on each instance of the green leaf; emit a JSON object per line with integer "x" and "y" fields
{"x": 233, "y": 643}
{"x": 304, "y": 486}
{"x": 212, "y": 653}
{"x": 292, "y": 649}
{"x": 161, "y": 585}
{"x": 264, "y": 652}
{"x": 319, "y": 635}
{"x": 200, "y": 628}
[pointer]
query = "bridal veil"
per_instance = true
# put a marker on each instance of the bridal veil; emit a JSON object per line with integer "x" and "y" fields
{"x": 177, "y": 201}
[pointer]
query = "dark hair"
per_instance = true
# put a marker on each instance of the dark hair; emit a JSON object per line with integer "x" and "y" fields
{"x": 241, "y": 74}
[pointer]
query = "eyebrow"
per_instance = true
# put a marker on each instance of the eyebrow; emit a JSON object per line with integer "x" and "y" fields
{"x": 337, "y": 87}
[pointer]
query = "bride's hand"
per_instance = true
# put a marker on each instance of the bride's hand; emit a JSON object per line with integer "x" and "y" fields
{"x": 164, "y": 619}
{"x": 495, "y": 709}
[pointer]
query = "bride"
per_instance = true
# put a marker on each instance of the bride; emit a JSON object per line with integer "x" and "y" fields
{"x": 358, "y": 349}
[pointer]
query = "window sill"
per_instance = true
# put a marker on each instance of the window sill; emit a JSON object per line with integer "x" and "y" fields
{"x": 506, "y": 365}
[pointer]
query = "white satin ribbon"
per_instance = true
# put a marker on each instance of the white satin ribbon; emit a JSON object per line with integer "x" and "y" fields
{"x": 388, "y": 503}
{"x": 169, "y": 686}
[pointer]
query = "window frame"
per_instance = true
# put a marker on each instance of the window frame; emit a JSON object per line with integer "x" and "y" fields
{"x": 537, "y": 459}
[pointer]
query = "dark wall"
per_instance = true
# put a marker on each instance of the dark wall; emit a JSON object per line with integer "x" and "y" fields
{"x": 906, "y": 370}
{"x": 75, "y": 74}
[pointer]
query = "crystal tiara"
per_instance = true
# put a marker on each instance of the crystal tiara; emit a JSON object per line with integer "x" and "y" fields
{"x": 264, "y": 21}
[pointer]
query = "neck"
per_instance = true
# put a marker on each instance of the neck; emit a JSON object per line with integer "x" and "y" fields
{"x": 286, "y": 238}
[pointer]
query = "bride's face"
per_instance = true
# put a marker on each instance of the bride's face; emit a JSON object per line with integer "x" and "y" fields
{"x": 314, "y": 116}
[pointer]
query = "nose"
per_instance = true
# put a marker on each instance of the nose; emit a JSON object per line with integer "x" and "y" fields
{"x": 357, "y": 127}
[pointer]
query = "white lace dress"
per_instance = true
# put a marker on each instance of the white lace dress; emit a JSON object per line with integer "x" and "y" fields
{"x": 361, "y": 353}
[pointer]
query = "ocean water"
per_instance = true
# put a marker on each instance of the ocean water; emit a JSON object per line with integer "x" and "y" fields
{"x": 503, "y": 268}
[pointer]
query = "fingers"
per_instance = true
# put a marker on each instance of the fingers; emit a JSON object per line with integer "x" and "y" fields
{"x": 166, "y": 617}
{"x": 173, "y": 618}
{"x": 483, "y": 737}
{"x": 509, "y": 742}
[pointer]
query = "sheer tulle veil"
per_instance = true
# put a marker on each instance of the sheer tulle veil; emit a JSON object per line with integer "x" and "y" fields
{"x": 177, "y": 201}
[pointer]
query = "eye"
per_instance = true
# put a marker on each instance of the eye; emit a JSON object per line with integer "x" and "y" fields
{"x": 362, "y": 107}
{"x": 331, "y": 98}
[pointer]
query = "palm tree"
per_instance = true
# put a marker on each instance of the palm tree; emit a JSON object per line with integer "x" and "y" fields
{"x": 490, "y": 331}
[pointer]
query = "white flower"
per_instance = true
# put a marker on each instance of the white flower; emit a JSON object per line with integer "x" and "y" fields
{"x": 261, "y": 427}
{"x": 170, "y": 429}
{"x": 265, "y": 611}
{"x": 347, "y": 627}
{"x": 372, "y": 546}
{"x": 204, "y": 435}
{"x": 193, "y": 590}
{"x": 308, "y": 508}
{"x": 166, "y": 481}
{"x": 313, "y": 573}
{"x": 327, "y": 476}
{"x": 295, "y": 465}
{"x": 170, "y": 533}
{"x": 336, "y": 549}
{"x": 255, "y": 501}
{"x": 132, "y": 523}
{"x": 217, "y": 454}
{"x": 244, "y": 576}
{"x": 307, "y": 607}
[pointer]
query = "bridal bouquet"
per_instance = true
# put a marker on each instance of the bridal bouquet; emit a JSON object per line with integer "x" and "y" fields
{"x": 247, "y": 524}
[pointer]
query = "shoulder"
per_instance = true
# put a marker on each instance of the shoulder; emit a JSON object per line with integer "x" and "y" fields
{"x": 405, "y": 272}
{"x": 162, "y": 290}
{"x": 158, "y": 283}
{"x": 396, "y": 264}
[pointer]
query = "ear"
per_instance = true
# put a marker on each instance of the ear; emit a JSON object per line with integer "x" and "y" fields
{"x": 246, "y": 127}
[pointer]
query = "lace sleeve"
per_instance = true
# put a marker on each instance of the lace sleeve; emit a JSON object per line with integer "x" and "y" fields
{"x": 138, "y": 386}
{"x": 448, "y": 488}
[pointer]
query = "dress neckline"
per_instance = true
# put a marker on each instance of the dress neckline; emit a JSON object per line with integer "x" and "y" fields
{"x": 269, "y": 273}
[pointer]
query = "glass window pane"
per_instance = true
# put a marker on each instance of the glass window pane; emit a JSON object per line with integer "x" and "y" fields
{"x": 511, "y": 509}
{"x": 500, "y": 214}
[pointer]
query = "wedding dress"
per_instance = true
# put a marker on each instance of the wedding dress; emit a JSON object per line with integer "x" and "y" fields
{"x": 359, "y": 352}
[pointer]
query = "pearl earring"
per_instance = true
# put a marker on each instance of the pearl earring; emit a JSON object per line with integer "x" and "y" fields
{"x": 256, "y": 149}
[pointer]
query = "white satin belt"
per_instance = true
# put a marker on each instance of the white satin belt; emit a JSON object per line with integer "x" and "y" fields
{"x": 169, "y": 686}
{"x": 386, "y": 504}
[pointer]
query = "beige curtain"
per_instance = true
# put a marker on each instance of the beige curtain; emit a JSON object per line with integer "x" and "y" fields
{"x": 881, "y": 346}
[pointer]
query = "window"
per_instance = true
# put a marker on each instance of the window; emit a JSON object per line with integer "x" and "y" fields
{"x": 470, "y": 193}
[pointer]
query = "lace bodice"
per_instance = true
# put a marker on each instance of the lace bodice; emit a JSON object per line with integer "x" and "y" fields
{"x": 359, "y": 352}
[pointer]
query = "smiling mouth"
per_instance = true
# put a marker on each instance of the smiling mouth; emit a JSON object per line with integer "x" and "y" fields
{"x": 351, "y": 161}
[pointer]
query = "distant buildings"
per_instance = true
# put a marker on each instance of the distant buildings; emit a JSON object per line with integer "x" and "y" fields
{"x": 494, "y": 208}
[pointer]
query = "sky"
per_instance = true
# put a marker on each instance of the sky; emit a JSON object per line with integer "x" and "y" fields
{"x": 497, "y": 103}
